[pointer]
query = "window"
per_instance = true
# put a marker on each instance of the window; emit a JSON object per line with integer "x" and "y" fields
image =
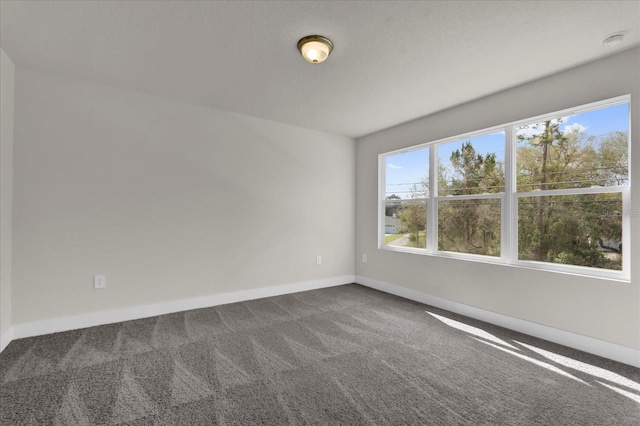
{"x": 470, "y": 194}
{"x": 549, "y": 192}
{"x": 406, "y": 199}
{"x": 570, "y": 171}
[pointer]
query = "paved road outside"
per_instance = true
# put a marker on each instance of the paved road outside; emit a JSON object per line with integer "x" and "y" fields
{"x": 402, "y": 241}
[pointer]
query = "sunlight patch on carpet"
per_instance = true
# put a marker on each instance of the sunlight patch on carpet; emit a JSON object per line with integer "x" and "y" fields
{"x": 535, "y": 361}
{"x": 471, "y": 330}
{"x": 584, "y": 367}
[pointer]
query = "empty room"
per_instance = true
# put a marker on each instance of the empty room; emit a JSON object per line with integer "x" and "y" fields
{"x": 320, "y": 213}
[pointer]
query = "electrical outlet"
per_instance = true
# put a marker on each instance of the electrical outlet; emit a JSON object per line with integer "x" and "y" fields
{"x": 99, "y": 281}
{"x": 364, "y": 258}
{"x": 318, "y": 260}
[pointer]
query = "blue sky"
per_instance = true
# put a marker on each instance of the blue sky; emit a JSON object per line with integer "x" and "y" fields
{"x": 405, "y": 169}
{"x": 602, "y": 121}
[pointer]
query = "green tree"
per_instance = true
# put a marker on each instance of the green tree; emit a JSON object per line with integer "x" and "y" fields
{"x": 613, "y": 154}
{"x": 550, "y": 137}
{"x": 414, "y": 217}
{"x": 471, "y": 226}
{"x": 474, "y": 173}
{"x": 565, "y": 229}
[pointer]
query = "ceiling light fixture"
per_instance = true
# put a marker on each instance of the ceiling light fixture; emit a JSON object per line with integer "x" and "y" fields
{"x": 613, "y": 40}
{"x": 314, "y": 48}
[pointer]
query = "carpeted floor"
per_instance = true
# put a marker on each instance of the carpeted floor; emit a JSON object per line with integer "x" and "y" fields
{"x": 344, "y": 355}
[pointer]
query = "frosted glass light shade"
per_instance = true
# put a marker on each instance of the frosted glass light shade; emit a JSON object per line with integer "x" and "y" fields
{"x": 315, "y": 49}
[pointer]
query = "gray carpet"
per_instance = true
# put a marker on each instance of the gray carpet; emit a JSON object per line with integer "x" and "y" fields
{"x": 346, "y": 355}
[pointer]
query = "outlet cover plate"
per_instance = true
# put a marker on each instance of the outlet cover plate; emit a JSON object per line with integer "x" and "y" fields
{"x": 99, "y": 281}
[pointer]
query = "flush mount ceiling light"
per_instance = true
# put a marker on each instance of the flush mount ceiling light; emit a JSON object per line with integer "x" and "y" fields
{"x": 314, "y": 48}
{"x": 613, "y": 40}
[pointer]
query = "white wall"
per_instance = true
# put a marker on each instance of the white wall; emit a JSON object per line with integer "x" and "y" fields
{"x": 7, "y": 78}
{"x": 602, "y": 309}
{"x": 168, "y": 199}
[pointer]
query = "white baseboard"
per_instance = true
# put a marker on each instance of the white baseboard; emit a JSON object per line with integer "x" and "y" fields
{"x": 6, "y": 338}
{"x": 54, "y": 325}
{"x": 588, "y": 344}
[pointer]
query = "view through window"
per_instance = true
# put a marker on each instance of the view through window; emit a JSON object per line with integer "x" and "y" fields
{"x": 471, "y": 180}
{"x": 552, "y": 190}
{"x": 584, "y": 160}
{"x": 406, "y": 199}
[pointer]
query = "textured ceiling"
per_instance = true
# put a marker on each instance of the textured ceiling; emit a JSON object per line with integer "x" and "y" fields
{"x": 393, "y": 61}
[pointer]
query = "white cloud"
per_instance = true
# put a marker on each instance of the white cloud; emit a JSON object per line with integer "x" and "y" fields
{"x": 574, "y": 128}
{"x": 393, "y": 166}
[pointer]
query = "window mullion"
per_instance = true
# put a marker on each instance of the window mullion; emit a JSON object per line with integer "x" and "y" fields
{"x": 509, "y": 241}
{"x": 432, "y": 204}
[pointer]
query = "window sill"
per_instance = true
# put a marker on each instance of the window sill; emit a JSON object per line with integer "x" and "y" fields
{"x": 577, "y": 271}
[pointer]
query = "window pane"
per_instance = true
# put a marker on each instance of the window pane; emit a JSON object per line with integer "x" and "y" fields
{"x": 469, "y": 226}
{"x": 405, "y": 223}
{"x": 584, "y": 230}
{"x": 579, "y": 151}
{"x": 407, "y": 175}
{"x": 472, "y": 166}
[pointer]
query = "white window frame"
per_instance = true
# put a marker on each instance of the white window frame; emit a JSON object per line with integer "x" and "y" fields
{"x": 509, "y": 201}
